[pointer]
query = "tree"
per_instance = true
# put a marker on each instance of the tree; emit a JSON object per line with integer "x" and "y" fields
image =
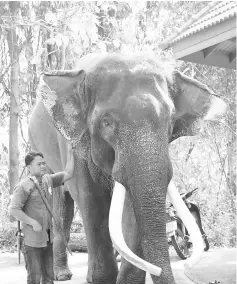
{"x": 14, "y": 52}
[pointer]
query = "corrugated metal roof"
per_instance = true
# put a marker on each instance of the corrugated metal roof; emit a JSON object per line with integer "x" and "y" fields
{"x": 221, "y": 12}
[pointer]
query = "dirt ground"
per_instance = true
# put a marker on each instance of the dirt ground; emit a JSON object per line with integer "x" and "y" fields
{"x": 215, "y": 265}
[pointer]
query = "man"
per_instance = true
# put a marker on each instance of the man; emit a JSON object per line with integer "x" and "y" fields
{"x": 28, "y": 207}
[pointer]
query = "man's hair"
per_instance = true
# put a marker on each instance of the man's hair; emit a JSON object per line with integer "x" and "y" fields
{"x": 31, "y": 156}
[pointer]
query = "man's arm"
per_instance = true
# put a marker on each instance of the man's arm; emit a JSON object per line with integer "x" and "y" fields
{"x": 18, "y": 200}
{"x": 59, "y": 178}
{"x": 21, "y": 216}
{"x": 69, "y": 169}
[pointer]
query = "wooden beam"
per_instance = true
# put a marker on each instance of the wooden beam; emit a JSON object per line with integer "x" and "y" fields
{"x": 215, "y": 59}
{"x": 232, "y": 56}
{"x": 208, "y": 51}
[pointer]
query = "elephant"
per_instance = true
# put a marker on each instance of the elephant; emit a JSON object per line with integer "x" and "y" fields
{"x": 120, "y": 113}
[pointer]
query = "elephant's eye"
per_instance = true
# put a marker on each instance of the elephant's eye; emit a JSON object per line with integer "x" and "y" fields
{"x": 106, "y": 121}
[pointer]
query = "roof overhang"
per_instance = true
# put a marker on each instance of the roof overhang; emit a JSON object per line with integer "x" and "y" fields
{"x": 208, "y": 37}
{"x": 202, "y": 47}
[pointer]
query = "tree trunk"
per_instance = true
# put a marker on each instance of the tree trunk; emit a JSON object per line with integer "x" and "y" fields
{"x": 231, "y": 147}
{"x": 63, "y": 53}
{"x": 14, "y": 99}
{"x": 231, "y": 158}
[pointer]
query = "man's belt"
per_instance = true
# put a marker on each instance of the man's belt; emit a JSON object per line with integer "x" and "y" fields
{"x": 53, "y": 215}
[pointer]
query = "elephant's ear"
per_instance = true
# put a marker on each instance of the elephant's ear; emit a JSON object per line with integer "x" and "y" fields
{"x": 194, "y": 103}
{"x": 63, "y": 94}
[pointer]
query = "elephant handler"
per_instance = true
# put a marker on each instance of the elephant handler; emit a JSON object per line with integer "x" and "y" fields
{"x": 27, "y": 206}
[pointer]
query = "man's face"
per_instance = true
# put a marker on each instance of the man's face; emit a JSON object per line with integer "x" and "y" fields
{"x": 37, "y": 167}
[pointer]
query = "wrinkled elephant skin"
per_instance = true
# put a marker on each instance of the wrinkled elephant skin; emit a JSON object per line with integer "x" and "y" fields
{"x": 120, "y": 113}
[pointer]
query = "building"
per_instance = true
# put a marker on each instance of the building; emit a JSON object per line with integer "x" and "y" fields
{"x": 208, "y": 38}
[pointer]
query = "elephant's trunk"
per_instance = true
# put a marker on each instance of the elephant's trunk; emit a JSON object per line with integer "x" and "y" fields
{"x": 190, "y": 224}
{"x": 145, "y": 170}
{"x": 115, "y": 228}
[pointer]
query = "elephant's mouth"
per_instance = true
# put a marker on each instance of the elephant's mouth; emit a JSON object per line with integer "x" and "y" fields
{"x": 115, "y": 228}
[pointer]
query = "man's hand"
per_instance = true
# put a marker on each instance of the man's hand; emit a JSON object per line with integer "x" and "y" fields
{"x": 68, "y": 172}
{"x": 36, "y": 226}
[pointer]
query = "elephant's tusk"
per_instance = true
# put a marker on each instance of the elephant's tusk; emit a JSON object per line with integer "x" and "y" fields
{"x": 190, "y": 224}
{"x": 115, "y": 228}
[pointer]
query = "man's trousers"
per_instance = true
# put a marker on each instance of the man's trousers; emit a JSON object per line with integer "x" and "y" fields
{"x": 39, "y": 264}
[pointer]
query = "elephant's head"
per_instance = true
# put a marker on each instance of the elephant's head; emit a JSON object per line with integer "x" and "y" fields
{"x": 132, "y": 108}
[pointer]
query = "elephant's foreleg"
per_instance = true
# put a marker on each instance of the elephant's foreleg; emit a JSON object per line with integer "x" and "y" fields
{"x": 102, "y": 266}
{"x": 63, "y": 205}
{"x": 128, "y": 273}
{"x": 94, "y": 203}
